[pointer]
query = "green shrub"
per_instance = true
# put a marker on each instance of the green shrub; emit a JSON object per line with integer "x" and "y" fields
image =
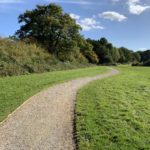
{"x": 18, "y": 58}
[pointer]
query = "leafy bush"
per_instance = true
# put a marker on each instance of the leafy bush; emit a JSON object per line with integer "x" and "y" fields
{"x": 18, "y": 58}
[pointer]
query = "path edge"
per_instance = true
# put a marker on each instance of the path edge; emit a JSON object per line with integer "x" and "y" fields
{"x": 30, "y": 98}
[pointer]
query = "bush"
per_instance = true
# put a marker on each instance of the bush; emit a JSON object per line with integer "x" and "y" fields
{"x": 17, "y": 58}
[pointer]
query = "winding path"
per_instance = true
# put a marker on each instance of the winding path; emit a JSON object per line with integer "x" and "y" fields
{"x": 45, "y": 121}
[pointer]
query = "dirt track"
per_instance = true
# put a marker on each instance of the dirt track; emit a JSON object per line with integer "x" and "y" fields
{"x": 45, "y": 121}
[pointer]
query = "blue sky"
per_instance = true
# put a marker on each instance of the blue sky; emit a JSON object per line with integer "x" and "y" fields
{"x": 122, "y": 22}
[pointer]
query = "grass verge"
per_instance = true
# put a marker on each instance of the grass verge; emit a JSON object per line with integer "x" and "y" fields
{"x": 114, "y": 113}
{"x": 15, "y": 90}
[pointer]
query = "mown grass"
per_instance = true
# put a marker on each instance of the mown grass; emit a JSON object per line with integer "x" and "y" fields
{"x": 114, "y": 113}
{"x": 15, "y": 90}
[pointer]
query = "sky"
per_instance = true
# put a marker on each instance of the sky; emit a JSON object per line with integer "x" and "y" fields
{"x": 123, "y": 22}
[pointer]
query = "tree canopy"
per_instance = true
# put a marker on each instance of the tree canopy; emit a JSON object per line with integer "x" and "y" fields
{"x": 59, "y": 34}
{"x": 109, "y": 54}
{"x": 56, "y": 31}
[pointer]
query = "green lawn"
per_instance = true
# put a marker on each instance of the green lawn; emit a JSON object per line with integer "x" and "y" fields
{"x": 15, "y": 90}
{"x": 114, "y": 113}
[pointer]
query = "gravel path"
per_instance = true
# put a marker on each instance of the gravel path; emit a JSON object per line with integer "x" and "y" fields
{"x": 45, "y": 121}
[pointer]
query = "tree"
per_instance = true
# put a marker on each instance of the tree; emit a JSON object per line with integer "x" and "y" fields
{"x": 108, "y": 54}
{"x": 115, "y": 54}
{"x": 136, "y": 57}
{"x": 49, "y": 26}
{"x": 145, "y": 55}
{"x": 122, "y": 58}
{"x": 104, "y": 50}
{"x": 103, "y": 41}
{"x": 125, "y": 55}
{"x": 87, "y": 50}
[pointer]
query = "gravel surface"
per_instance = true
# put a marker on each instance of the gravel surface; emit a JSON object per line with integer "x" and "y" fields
{"x": 45, "y": 121}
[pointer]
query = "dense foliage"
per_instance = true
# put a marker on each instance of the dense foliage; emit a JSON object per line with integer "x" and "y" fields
{"x": 108, "y": 54}
{"x": 60, "y": 35}
{"x": 145, "y": 57}
{"x": 18, "y": 58}
{"x": 57, "y": 32}
{"x": 49, "y": 39}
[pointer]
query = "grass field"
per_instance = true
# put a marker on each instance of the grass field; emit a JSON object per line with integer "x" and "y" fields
{"x": 15, "y": 90}
{"x": 114, "y": 113}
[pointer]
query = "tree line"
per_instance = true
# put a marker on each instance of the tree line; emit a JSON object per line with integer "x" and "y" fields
{"x": 55, "y": 31}
{"x": 144, "y": 57}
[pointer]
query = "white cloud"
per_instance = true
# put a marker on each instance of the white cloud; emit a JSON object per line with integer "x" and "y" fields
{"x": 74, "y": 16}
{"x": 89, "y": 24}
{"x": 113, "y": 16}
{"x": 136, "y": 8}
{"x": 10, "y": 1}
